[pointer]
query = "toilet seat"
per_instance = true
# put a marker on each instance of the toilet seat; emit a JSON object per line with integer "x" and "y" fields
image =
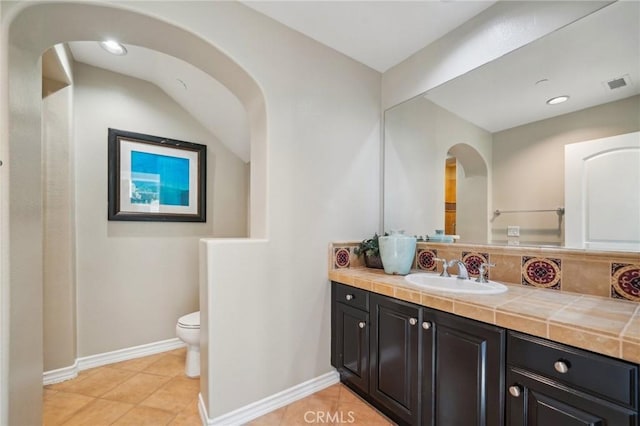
{"x": 190, "y": 321}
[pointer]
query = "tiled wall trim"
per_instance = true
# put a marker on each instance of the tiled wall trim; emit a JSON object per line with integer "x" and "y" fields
{"x": 610, "y": 274}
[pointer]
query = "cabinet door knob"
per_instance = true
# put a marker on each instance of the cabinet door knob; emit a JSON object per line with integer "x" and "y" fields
{"x": 349, "y": 296}
{"x": 426, "y": 325}
{"x": 561, "y": 366}
{"x": 413, "y": 321}
{"x": 515, "y": 391}
{"x": 361, "y": 324}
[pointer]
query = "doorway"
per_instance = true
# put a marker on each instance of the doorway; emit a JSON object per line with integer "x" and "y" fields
{"x": 450, "y": 191}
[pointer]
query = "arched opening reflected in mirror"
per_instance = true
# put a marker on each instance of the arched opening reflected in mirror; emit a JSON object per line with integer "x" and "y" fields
{"x": 471, "y": 193}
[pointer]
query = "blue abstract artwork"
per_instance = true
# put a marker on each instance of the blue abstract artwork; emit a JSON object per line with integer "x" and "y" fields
{"x": 159, "y": 179}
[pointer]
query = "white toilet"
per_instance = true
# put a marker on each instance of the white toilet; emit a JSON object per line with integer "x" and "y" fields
{"x": 188, "y": 330}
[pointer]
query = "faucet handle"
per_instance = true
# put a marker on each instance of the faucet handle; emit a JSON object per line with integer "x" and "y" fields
{"x": 445, "y": 266}
{"x": 483, "y": 269}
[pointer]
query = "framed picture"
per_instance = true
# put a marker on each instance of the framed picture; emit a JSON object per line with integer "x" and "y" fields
{"x": 156, "y": 179}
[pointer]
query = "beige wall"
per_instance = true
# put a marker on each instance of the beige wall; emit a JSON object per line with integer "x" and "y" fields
{"x": 528, "y": 165}
{"x": 59, "y": 292}
{"x": 25, "y": 242}
{"x": 268, "y": 318}
{"x": 4, "y": 230}
{"x": 135, "y": 279}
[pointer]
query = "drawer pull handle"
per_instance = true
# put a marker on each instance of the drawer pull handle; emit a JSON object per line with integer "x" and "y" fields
{"x": 515, "y": 391}
{"x": 349, "y": 296}
{"x": 561, "y": 366}
{"x": 426, "y": 325}
{"x": 413, "y": 321}
{"x": 361, "y": 324}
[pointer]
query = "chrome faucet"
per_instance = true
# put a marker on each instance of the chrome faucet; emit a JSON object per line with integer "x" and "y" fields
{"x": 445, "y": 266}
{"x": 482, "y": 276}
{"x": 463, "y": 273}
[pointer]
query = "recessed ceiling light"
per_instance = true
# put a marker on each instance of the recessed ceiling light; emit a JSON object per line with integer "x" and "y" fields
{"x": 558, "y": 100}
{"x": 113, "y": 47}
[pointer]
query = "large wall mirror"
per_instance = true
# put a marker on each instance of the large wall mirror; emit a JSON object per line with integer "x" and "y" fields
{"x": 484, "y": 156}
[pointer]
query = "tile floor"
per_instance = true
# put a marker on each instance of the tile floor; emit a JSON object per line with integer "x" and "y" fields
{"x": 145, "y": 391}
{"x": 154, "y": 391}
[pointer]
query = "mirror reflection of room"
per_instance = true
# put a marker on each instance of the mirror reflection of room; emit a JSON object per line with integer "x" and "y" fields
{"x": 507, "y": 114}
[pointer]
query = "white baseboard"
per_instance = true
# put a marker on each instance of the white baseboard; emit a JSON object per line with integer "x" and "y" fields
{"x": 270, "y": 403}
{"x": 99, "y": 360}
{"x": 202, "y": 410}
{"x": 60, "y": 374}
{"x": 92, "y": 361}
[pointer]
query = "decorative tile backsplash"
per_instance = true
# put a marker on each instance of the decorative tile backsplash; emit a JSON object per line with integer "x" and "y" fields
{"x": 542, "y": 272}
{"x": 426, "y": 259}
{"x": 473, "y": 260}
{"x": 342, "y": 257}
{"x": 610, "y": 274}
{"x": 625, "y": 281}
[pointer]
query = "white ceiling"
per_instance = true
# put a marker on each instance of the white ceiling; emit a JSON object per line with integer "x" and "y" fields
{"x": 379, "y": 34}
{"x": 576, "y": 60}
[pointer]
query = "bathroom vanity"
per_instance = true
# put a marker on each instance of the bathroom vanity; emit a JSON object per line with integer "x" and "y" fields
{"x": 423, "y": 361}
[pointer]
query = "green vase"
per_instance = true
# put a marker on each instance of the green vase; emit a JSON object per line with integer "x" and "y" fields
{"x": 397, "y": 252}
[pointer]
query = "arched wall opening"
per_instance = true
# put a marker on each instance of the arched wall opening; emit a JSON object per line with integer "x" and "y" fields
{"x": 33, "y": 29}
{"x": 38, "y": 27}
{"x": 472, "y": 184}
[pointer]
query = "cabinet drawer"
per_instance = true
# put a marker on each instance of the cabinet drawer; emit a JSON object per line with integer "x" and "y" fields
{"x": 352, "y": 296}
{"x": 544, "y": 402}
{"x": 613, "y": 380}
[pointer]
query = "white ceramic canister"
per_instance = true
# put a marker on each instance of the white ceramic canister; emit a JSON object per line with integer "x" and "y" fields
{"x": 397, "y": 252}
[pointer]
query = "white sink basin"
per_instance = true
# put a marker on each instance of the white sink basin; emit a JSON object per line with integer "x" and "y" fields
{"x": 454, "y": 285}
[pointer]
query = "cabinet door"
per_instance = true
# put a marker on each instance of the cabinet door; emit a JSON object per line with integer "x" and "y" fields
{"x": 352, "y": 346}
{"x": 537, "y": 401}
{"x": 469, "y": 372}
{"x": 394, "y": 376}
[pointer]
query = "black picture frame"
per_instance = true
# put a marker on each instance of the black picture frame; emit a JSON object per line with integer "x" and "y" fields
{"x": 151, "y": 178}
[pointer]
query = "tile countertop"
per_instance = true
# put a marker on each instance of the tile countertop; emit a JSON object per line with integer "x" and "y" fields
{"x": 599, "y": 324}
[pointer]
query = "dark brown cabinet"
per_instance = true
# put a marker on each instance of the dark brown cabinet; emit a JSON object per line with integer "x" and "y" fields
{"x": 350, "y": 341}
{"x": 394, "y": 374}
{"x": 468, "y": 373}
{"x": 550, "y": 384}
{"x": 421, "y": 366}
